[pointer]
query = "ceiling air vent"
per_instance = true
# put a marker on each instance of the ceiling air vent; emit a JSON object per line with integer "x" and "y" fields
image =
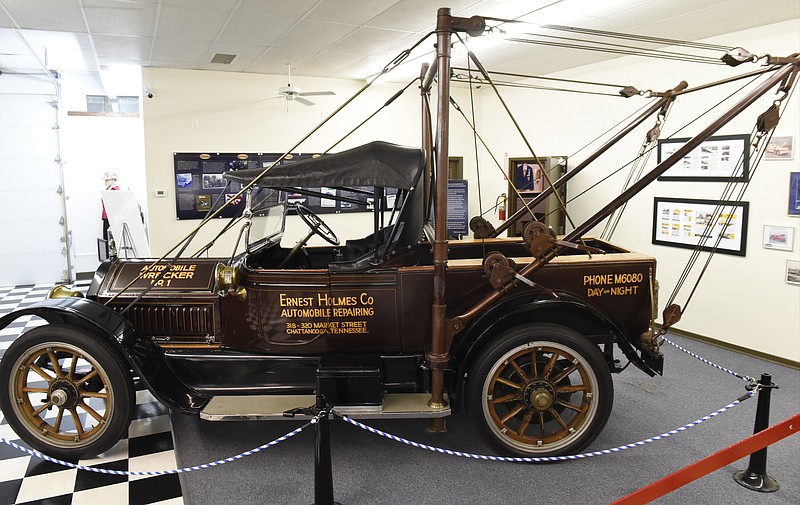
{"x": 225, "y": 59}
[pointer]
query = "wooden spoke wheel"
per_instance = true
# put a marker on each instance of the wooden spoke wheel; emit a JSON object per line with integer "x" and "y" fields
{"x": 540, "y": 390}
{"x": 67, "y": 394}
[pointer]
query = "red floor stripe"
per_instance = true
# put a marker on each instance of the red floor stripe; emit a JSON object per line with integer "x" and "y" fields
{"x": 713, "y": 462}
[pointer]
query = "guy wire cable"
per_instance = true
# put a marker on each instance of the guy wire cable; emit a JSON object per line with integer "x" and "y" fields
{"x": 544, "y": 78}
{"x": 475, "y": 145}
{"x": 758, "y": 157}
{"x": 640, "y": 38}
{"x": 645, "y": 152}
{"x": 726, "y": 192}
{"x": 612, "y": 49}
{"x": 507, "y": 84}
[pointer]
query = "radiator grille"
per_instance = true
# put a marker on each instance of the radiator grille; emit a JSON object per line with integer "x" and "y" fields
{"x": 172, "y": 320}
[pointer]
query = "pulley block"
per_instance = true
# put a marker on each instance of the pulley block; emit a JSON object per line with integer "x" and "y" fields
{"x": 539, "y": 237}
{"x": 481, "y": 227}
{"x": 499, "y": 269}
{"x": 769, "y": 119}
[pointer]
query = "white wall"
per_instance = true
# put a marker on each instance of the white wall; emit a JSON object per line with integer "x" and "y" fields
{"x": 742, "y": 300}
{"x": 203, "y": 111}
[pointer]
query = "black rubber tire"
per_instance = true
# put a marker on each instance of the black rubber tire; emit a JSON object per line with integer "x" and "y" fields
{"x": 527, "y": 412}
{"x": 107, "y": 394}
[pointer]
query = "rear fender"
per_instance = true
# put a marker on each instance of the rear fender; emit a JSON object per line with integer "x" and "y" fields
{"x": 141, "y": 354}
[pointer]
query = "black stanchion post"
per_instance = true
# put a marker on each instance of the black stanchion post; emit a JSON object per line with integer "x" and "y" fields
{"x": 323, "y": 471}
{"x": 755, "y": 477}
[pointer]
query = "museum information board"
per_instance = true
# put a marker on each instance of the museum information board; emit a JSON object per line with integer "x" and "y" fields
{"x": 200, "y": 186}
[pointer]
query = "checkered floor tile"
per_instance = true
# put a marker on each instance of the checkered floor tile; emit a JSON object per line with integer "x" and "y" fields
{"x": 28, "y": 480}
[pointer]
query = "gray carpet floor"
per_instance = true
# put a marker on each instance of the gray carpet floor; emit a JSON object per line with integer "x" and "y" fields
{"x": 368, "y": 469}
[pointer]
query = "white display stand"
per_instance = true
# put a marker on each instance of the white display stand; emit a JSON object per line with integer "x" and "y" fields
{"x": 126, "y": 224}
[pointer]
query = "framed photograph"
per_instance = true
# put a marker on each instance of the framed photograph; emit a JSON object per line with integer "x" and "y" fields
{"x": 719, "y": 159}
{"x": 684, "y": 223}
{"x": 526, "y": 174}
{"x": 780, "y": 148}
{"x": 778, "y": 237}
{"x": 793, "y": 272}
{"x": 794, "y": 193}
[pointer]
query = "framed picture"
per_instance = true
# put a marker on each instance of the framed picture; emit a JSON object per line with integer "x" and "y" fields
{"x": 793, "y": 272}
{"x": 526, "y": 173}
{"x": 778, "y": 237}
{"x": 719, "y": 159}
{"x": 779, "y": 148}
{"x": 794, "y": 193}
{"x": 684, "y": 223}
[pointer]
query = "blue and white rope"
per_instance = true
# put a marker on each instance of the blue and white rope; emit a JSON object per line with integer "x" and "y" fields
{"x": 690, "y": 353}
{"x": 546, "y": 459}
{"x": 260, "y": 448}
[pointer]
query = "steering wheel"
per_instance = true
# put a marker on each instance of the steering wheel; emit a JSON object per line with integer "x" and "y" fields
{"x": 316, "y": 224}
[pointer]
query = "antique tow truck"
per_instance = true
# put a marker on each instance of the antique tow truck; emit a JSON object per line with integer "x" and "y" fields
{"x": 522, "y": 333}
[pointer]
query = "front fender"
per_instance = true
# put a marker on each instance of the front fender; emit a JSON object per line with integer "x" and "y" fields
{"x": 142, "y": 355}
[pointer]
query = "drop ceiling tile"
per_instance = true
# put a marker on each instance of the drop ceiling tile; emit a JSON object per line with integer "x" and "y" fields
{"x": 174, "y": 64}
{"x": 704, "y": 23}
{"x": 178, "y": 50}
{"x": 54, "y": 40}
{"x": 366, "y": 40}
{"x": 123, "y": 48}
{"x": 46, "y": 15}
{"x": 237, "y": 65}
{"x": 122, "y": 19}
{"x": 61, "y": 50}
{"x": 415, "y": 15}
{"x": 350, "y": 12}
{"x": 211, "y": 5}
{"x": 283, "y": 9}
{"x": 255, "y": 29}
{"x": 322, "y": 35}
{"x": 5, "y": 21}
{"x": 275, "y": 59}
{"x": 326, "y": 64}
{"x": 503, "y": 8}
{"x": 189, "y": 24}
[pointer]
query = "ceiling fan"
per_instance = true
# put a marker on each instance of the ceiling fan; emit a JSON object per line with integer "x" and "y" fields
{"x": 294, "y": 93}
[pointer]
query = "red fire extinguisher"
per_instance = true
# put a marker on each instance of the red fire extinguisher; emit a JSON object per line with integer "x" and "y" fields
{"x": 500, "y": 204}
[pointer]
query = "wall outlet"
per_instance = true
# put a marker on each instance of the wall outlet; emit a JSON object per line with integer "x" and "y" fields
{"x": 160, "y": 193}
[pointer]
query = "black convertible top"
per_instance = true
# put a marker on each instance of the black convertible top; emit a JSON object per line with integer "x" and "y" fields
{"x": 375, "y": 164}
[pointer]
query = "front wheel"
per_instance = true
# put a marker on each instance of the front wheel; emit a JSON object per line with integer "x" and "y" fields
{"x": 540, "y": 390}
{"x": 66, "y": 393}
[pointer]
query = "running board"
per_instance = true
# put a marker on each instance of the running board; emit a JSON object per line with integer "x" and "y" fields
{"x": 263, "y": 408}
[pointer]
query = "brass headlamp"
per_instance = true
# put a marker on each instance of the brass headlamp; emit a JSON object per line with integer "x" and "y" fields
{"x": 228, "y": 280}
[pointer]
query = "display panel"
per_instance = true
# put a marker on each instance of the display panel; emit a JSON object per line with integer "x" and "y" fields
{"x": 721, "y": 159}
{"x": 200, "y": 186}
{"x": 684, "y": 223}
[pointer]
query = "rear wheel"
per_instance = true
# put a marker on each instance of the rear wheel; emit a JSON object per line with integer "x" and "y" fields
{"x": 66, "y": 393}
{"x": 540, "y": 390}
